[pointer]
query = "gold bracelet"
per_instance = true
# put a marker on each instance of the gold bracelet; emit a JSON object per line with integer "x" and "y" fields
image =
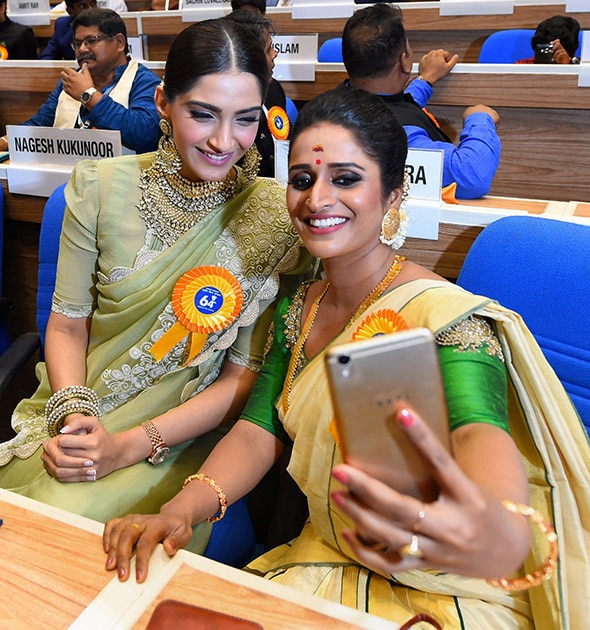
{"x": 220, "y": 495}
{"x": 546, "y": 569}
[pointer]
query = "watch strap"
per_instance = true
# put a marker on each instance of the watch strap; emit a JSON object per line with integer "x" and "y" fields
{"x": 155, "y": 438}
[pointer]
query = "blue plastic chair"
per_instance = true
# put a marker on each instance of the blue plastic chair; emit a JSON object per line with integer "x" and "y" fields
{"x": 540, "y": 268}
{"x": 509, "y": 46}
{"x": 292, "y": 111}
{"x": 331, "y": 51}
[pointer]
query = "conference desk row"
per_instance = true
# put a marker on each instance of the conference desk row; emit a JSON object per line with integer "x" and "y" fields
{"x": 427, "y": 29}
{"x": 544, "y": 122}
{"x": 53, "y": 576}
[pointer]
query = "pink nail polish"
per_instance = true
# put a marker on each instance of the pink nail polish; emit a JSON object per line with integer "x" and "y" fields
{"x": 405, "y": 418}
{"x": 340, "y": 476}
{"x": 121, "y": 573}
{"x": 337, "y": 498}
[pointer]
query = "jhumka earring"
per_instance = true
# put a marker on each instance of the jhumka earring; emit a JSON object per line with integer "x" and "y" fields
{"x": 250, "y": 165}
{"x": 394, "y": 226}
{"x": 167, "y": 156}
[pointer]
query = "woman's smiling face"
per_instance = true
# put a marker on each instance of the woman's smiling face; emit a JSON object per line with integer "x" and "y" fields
{"x": 335, "y": 195}
{"x": 214, "y": 123}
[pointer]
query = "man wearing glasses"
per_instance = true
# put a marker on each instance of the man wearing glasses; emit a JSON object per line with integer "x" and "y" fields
{"x": 109, "y": 90}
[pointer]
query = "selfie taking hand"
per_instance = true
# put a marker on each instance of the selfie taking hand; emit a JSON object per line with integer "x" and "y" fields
{"x": 466, "y": 530}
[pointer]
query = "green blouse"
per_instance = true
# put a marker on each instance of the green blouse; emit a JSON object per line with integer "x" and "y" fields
{"x": 471, "y": 360}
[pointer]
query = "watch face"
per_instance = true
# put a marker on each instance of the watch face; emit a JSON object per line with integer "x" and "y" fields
{"x": 160, "y": 455}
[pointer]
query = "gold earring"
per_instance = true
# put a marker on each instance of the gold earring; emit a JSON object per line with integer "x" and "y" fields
{"x": 250, "y": 165}
{"x": 394, "y": 226}
{"x": 167, "y": 155}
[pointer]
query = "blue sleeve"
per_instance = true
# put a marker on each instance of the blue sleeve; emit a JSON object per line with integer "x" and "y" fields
{"x": 474, "y": 162}
{"x": 52, "y": 50}
{"x": 420, "y": 91}
{"x": 46, "y": 114}
{"x": 139, "y": 124}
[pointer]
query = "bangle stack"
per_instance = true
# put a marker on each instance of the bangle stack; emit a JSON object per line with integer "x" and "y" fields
{"x": 72, "y": 399}
{"x": 546, "y": 569}
{"x": 220, "y": 494}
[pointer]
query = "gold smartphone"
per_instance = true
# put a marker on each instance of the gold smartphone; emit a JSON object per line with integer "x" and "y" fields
{"x": 366, "y": 378}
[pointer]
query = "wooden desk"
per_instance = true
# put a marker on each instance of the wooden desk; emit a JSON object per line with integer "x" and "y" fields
{"x": 53, "y": 577}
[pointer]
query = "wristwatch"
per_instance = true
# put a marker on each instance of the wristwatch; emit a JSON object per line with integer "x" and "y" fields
{"x": 87, "y": 95}
{"x": 160, "y": 450}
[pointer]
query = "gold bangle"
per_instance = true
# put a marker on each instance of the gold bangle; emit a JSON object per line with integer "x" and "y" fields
{"x": 546, "y": 569}
{"x": 220, "y": 494}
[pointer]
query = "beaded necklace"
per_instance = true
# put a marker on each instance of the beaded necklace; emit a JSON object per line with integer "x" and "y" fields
{"x": 297, "y": 354}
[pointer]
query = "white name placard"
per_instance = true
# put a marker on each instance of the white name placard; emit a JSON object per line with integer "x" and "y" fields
{"x": 424, "y": 169}
{"x": 581, "y": 6}
{"x": 312, "y": 9}
{"x": 296, "y": 57}
{"x": 63, "y": 147}
{"x": 479, "y": 7}
{"x": 42, "y": 158}
{"x": 29, "y": 12}
{"x": 197, "y": 10}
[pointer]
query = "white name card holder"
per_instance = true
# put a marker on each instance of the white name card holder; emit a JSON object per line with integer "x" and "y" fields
{"x": 42, "y": 158}
{"x": 577, "y": 6}
{"x": 296, "y": 57}
{"x": 29, "y": 12}
{"x": 136, "y": 47}
{"x": 312, "y": 9}
{"x": 424, "y": 169}
{"x": 477, "y": 7}
{"x": 197, "y": 10}
{"x": 584, "y": 75}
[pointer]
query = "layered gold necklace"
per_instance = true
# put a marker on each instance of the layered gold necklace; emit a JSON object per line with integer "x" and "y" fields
{"x": 171, "y": 205}
{"x": 297, "y": 358}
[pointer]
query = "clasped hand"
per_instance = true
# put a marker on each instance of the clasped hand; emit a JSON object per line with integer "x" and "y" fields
{"x": 84, "y": 451}
{"x": 74, "y": 82}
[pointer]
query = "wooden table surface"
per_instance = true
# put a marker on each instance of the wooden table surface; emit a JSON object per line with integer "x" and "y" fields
{"x": 53, "y": 577}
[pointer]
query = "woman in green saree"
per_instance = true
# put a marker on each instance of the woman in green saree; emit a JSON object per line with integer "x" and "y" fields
{"x": 515, "y": 436}
{"x": 169, "y": 270}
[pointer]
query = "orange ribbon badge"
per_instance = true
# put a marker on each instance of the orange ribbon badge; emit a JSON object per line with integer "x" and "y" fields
{"x": 205, "y": 300}
{"x": 278, "y": 122}
{"x": 381, "y": 322}
{"x": 3, "y": 53}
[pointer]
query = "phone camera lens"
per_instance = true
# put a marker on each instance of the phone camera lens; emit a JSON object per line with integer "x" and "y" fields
{"x": 343, "y": 359}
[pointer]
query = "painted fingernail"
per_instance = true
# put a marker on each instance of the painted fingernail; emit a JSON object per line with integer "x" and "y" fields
{"x": 65, "y": 429}
{"x": 340, "y": 476}
{"x": 337, "y": 498}
{"x": 121, "y": 573}
{"x": 91, "y": 475}
{"x": 405, "y": 418}
{"x": 88, "y": 463}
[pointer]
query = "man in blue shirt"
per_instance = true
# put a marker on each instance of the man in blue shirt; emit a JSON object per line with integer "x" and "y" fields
{"x": 378, "y": 58}
{"x": 61, "y": 44}
{"x": 109, "y": 91}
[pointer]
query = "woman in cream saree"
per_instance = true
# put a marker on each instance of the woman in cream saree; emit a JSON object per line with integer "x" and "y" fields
{"x": 515, "y": 436}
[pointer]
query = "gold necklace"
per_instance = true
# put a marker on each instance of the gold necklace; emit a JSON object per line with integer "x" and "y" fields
{"x": 297, "y": 354}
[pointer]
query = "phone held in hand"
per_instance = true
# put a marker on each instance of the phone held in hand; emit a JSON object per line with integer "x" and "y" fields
{"x": 544, "y": 53}
{"x": 366, "y": 379}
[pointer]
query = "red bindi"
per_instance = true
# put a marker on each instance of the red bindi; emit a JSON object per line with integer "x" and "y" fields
{"x": 318, "y": 161}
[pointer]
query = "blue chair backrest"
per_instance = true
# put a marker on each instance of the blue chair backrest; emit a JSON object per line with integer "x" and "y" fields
{"x": 509, "y": 46}
{"x": 540, "y": 268}
{"x": 48, "y": 253}
{"x": 331, "y": 51}
{"x": 4, "y": 336}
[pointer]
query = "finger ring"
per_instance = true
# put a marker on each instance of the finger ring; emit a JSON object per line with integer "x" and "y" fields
{"x": 418, "y": 522}
{"x": 413, "y": 549}
{"x": 137, "y": 526}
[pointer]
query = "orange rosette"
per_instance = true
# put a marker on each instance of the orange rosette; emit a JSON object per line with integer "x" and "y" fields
{"x": 382, "y": 322}
{"x": 3, "y": 53}
{"x": 205, "y": 300}
{"x": 278, "y": 122}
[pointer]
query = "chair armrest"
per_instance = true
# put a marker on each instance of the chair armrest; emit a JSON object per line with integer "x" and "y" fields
{"x": 16, "y": 355}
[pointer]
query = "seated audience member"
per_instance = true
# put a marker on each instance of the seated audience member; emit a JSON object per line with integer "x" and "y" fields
{"x": 17, "y": 41}
{"x": 556, "y": 40}
{"x": 258, "y": 6}
{"x": 378, "y": 58}
{"x": 367, "y": 545}
{"x": 61, "y": 44}
{"x": 110, "y": 91}
{"x": 124, "y": 379}
{"x": 274, "y": 122}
